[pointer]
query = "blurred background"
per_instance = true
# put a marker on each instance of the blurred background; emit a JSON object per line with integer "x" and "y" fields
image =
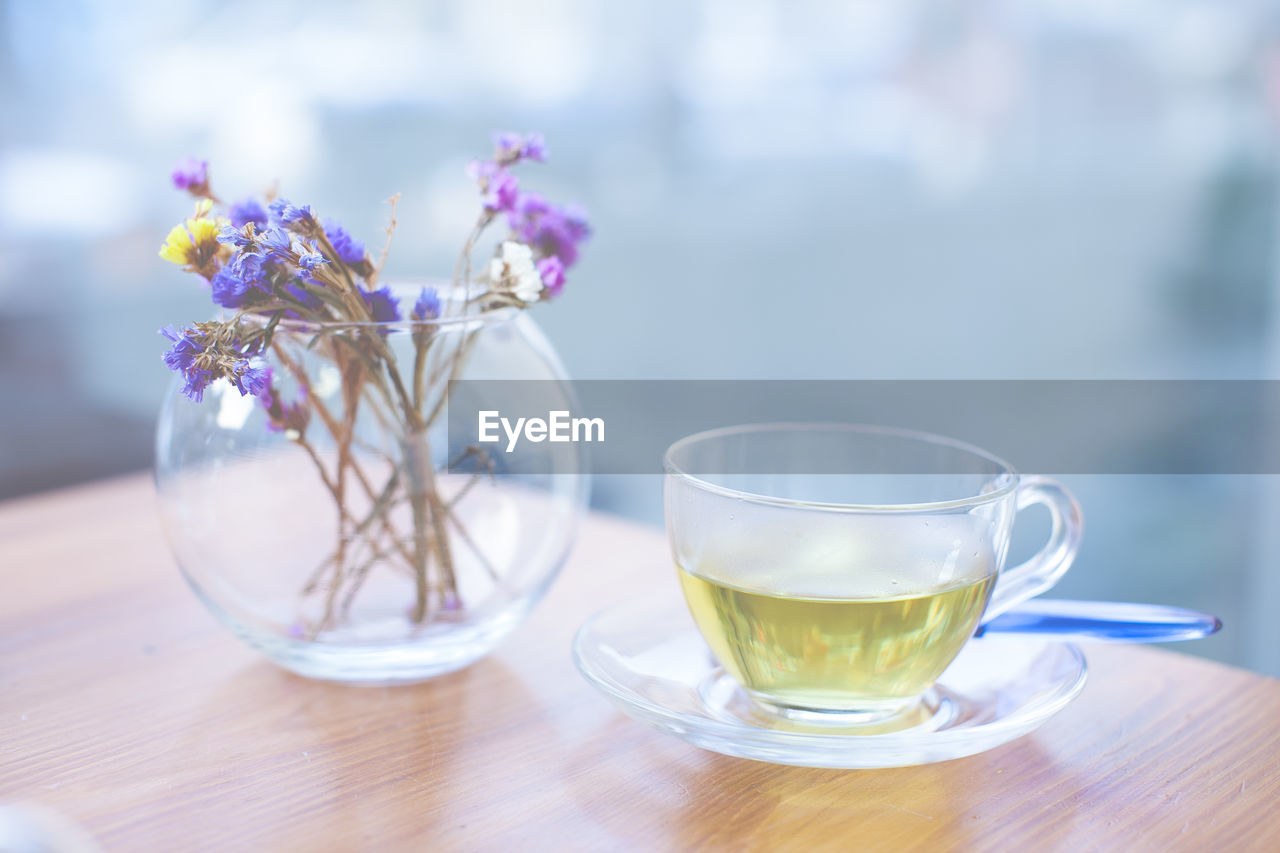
{"x": 1034, "y": 189}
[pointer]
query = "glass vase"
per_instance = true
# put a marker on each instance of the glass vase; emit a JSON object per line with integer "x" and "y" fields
{"x": 333, "y": 524}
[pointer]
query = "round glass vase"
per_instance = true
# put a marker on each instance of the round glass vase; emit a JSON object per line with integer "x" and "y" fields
{"x": 334, "y": 525}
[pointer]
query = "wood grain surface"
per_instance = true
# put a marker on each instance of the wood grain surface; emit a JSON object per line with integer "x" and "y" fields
{"x": 127, "y": 709}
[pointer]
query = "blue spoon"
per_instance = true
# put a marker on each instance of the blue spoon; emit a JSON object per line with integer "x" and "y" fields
{"x": 1101, "y": 621}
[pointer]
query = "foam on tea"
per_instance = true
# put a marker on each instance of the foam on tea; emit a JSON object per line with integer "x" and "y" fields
{"x": 847, "y": 623}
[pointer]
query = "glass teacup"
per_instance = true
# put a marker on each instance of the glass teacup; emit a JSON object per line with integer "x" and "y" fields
{"x": 836, "y": 570}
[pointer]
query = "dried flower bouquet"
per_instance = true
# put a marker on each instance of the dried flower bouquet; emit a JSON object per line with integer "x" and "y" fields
{"x": 279, "y": 271}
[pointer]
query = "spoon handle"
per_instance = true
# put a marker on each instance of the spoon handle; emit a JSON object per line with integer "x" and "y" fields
{"x": 1102, "y": 621}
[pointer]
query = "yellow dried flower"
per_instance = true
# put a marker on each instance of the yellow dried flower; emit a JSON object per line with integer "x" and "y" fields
{"x": 194, "y": 242}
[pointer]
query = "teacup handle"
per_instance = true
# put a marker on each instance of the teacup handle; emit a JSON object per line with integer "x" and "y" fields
{"x": 1042, "y": 571}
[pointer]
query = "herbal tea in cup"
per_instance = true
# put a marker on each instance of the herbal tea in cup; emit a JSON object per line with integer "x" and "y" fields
{"x": 838, "y": 570}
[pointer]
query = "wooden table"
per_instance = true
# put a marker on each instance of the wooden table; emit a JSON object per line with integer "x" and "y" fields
{"x": 126, "y": 708}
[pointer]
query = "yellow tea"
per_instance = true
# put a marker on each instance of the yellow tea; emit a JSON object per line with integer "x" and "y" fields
{"x": 855, "y": 653}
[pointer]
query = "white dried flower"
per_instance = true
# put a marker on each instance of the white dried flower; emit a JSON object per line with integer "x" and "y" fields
{"x": 514, "y": 268}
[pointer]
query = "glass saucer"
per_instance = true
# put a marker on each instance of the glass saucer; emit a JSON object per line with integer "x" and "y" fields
{"x": 647, "y": 657}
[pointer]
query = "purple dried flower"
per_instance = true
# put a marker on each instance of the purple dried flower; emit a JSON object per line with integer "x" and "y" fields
{"x": 502, "y": 191}
{"x": 511, "y": 147}
{"x": 185, "y": 357}
{"x": 451, "y": 601}
{"x": 308, "y": 260}
{"x": 507, "y": 144}
{"x": 349, "y": 249}
{"x": 240, "y": 281}
{"x": 550, "y": 228}
{"x": 428, "y": 305}
{"x": 534, "y": 148}
{"x": 204, "y": 352}
{"x": 551, "y": 271}
{"x": 277, "y": 243}
{"x": 248, "y": 210}
{"x": 249, "y": 380}
{"x": 285, "y": 213}
{"x": 234, "y": 237}
{"x": 575, "y": 221}
{"x": 192, "y": 175}
{"x": 530, "y": 204}
{"x": 227, "y": 289}
{"x": 197, "y": 381}
{"x": 181, "y": 356}
{"x": 500, "y": 187}
{"x": 383, "y": 307}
